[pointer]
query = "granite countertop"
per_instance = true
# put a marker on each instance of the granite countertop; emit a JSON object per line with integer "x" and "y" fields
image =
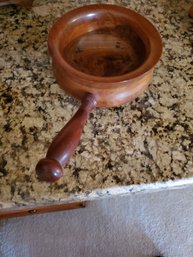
{"x": 143, "y": 145}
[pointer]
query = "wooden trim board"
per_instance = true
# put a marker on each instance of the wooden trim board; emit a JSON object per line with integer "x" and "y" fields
{"x": 12, "y": 213}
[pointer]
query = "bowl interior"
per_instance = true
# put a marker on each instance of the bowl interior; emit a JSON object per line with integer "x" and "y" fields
{"x": 102, "y": 42}
{"x": 97, "y": 42}
{"x": 106, "y": 52}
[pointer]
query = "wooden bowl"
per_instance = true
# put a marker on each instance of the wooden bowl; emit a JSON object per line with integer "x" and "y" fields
{"x": 106, "y": 50}
{"x": 103, "y": 55}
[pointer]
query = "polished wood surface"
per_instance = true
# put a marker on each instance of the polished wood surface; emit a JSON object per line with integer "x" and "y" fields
{"x": 65, "y": 143}
{"x": 106, "y": 51}
{"x": 83, "y": 28}
{"x": 191, "y": 11}
{"x": 5, "y": 214}
{"x": 24, "y": 3}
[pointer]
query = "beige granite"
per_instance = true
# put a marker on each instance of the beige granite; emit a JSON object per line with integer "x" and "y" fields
{"x": 144, "y": 145}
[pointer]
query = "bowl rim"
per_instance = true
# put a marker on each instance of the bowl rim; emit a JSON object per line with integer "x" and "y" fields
{"x": 154, "y": 38}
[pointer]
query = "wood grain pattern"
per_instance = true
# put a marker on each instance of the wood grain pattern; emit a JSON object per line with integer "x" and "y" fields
{"x": 64, "y": 144}
{"x": 106, "y": 51}
{"x": 5, "y": 214}
{"x": 124, "y": 30}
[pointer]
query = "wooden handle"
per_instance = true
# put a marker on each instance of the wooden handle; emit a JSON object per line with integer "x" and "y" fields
{"x": 64, "y": 144}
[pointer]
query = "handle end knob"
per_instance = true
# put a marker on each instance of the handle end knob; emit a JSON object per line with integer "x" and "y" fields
{"x": 49, "y": 170}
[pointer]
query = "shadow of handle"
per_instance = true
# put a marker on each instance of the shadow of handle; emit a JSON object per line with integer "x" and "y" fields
{"x": 64, "y": 144}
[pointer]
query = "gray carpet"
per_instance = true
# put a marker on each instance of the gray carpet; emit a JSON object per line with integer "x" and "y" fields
{"x": 141, "y": 225}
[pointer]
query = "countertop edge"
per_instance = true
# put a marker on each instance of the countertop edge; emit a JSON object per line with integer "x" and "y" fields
{"x": 100, "y": 194}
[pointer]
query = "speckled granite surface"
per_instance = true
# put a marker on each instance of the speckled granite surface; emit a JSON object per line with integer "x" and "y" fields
{"x": 129, "y": 148}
